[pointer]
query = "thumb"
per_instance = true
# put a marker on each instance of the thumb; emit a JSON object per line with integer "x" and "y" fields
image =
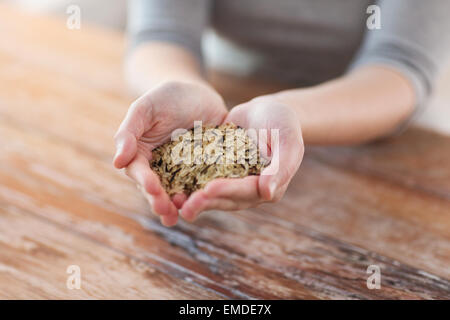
{"x": 126, "y": 148}
{"x": 132, "y": 127}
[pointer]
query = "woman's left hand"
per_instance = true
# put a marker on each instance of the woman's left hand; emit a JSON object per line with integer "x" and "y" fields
{"x": 234, "y": 194}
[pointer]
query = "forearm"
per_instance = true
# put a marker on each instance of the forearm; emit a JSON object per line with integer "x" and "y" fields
{"x": 152, "y": 63}
{"x": 364, "y": 105}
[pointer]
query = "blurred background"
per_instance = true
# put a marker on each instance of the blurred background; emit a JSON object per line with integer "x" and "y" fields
{"x": 111, "y": 14}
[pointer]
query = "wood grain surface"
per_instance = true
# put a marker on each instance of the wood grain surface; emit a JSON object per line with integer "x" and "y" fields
{"x": 62, "y": 96}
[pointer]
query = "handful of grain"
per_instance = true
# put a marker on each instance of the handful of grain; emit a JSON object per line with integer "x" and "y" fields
{"x": 203, "y": 154}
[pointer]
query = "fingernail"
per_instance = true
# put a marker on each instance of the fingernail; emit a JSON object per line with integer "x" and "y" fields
{"x": 272, "y": 188}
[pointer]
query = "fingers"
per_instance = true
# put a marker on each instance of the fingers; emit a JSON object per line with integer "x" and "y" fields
{"x": 139, "y": 170}
{"x": 234, "y": 194}
{"x": 169, "y": 221}
{"x": 287, "y": 154}
{"x": 222, "y": 194}
{"x": 195, "y": 204}
{"x": 283, "y": 137}
{"x": 238, "y": 189}
{"x": 199, "y": 202}
{"x": 136, "y": 122}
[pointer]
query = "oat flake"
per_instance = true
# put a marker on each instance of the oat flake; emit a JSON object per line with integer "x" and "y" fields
{"x": 220, "y": 155}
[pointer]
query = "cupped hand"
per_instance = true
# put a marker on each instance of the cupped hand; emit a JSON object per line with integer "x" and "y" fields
{"x": 149, "y": 122}
{"x": 287, "y": 153}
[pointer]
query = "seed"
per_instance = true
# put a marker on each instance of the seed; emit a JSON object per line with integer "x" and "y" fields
{"x": 213, "y": 158}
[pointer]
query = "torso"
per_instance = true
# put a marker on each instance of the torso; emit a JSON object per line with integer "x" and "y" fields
{"x": 298, "y": 41}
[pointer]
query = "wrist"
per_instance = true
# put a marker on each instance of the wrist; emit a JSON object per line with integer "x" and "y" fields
{"x": 151, "y": 64}
{"x": 364, "y": 105}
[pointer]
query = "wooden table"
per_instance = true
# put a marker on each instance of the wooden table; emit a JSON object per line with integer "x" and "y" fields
{"x": 61, "y": 202}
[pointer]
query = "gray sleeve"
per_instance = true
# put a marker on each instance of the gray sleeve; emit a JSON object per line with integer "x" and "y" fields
{"x": 176, "y": 21}
{"x": 414, "y": 39}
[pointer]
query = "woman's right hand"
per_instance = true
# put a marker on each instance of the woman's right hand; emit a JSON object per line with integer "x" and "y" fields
{"x": 150, "y": 121}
